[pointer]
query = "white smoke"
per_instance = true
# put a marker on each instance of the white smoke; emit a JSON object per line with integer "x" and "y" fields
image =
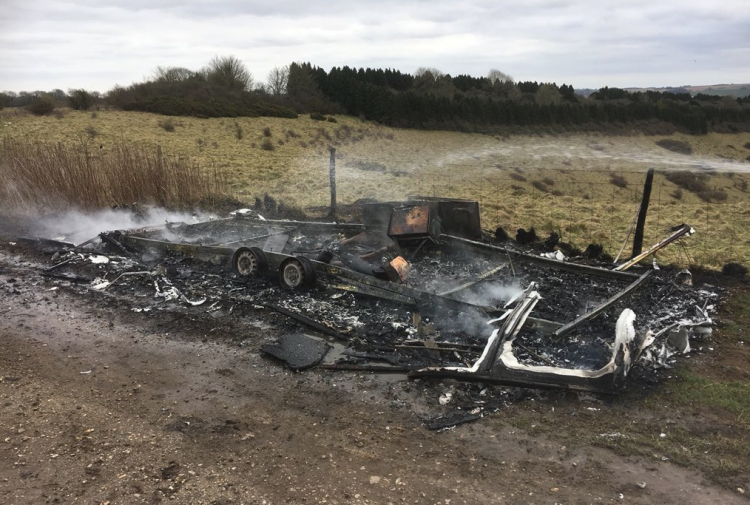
{"x": 551, "y": 149}
{"x": 76, "y": 226}
{"x": 491, "y": 294}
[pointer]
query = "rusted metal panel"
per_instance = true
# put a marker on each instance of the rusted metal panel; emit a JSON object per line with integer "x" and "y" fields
{"x": 410, "y": 222}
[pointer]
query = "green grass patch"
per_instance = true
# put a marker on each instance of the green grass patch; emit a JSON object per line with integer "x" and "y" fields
{"x": 739, "y": 305}
{"x": 737, "y": 313}
{"x": 694, "y": 390}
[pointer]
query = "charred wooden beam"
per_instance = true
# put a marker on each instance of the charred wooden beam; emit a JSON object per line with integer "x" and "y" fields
{"x": 638, "y": 237}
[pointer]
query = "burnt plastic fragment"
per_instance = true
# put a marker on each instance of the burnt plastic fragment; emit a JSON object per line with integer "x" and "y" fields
{"x": 297, "y": 350}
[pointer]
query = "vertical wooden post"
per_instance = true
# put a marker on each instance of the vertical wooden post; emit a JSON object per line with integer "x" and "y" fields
{"x": 332, "y": 176}
{"x": 638, "y": 238}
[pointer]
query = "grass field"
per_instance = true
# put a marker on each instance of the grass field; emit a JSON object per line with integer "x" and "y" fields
{"x": 585, "y": 187}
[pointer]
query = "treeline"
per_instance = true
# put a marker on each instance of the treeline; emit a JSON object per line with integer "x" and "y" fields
{"x": 427, "y": 99}
{"x": 224, "y": 88}
{"x": 435, "y": 100}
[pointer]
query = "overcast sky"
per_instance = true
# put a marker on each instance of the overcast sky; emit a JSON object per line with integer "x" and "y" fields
{"x": 95, "y": 44}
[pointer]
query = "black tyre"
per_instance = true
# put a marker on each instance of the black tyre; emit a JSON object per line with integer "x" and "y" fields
{"x": 249, "y": 262}
{"x": 310, "y": 275}
{"x": 296, "y": 273}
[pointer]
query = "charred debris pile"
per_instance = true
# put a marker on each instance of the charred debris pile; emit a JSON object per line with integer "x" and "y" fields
{"x": 415, "y": 288}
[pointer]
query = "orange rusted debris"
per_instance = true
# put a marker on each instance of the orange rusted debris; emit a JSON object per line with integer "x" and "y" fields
{"x": 401, "y": 266}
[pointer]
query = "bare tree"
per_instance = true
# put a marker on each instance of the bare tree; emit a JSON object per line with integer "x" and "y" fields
{"x": 172, "y": 74}
{"x": 58, "y": 94}
{"x": 278, "y": 78}
{"x": 434, "y": 81}
{"x": 547, "y": 94}
{"x": 230, "y": 72}
{"x": 496, "y": 76}
{"x": 429, "y": 73}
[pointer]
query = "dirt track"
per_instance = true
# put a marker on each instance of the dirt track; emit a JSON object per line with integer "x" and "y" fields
{"x": 104, "y": 405}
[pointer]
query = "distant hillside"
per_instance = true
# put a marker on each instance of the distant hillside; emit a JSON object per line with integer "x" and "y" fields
{"x": 666, "y": 89}
{"x": 735, "y": 90}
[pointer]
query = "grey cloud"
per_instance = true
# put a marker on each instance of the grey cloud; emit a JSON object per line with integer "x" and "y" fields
{"x": 586, "y": 43}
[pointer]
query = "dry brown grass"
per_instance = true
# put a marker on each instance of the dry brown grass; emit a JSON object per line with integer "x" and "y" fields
{"x": 48, "y": 176}
{"x": 582, "y": 203}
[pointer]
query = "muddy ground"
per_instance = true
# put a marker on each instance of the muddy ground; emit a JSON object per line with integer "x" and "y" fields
{"x": 101, "y": 404}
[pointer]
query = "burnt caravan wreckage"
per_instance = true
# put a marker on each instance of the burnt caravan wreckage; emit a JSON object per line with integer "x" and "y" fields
{"x": 479, "y": 311}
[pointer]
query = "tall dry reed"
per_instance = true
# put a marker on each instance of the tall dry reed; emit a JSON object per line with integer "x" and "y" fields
{"x": 38, "y": 175}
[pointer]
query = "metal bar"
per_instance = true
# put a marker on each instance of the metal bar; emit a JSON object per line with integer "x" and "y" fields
{"x": 684, "y": 229}
{"x": 247, "y": 239}
{"x": 416, "y": 251}
{"x": 567, "y": 328}
{"x": 625, "y": 242}
{"x": 530, "y": 381}
{"x": 373, "y": 291}
{"x": 54, "y": 267}
{"x": 419, "y": 297}
{"x": 561, "y": 265}
{"x": 510, "y": 328}
{"x": 343, "y": 227}
{"x": 191, "y": 250}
